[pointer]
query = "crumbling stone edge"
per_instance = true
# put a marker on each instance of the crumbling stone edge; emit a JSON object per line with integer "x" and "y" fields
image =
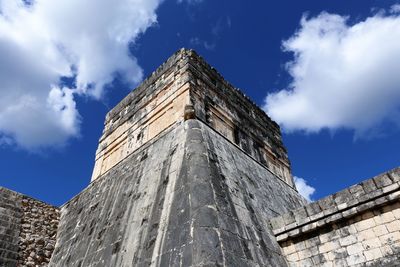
{"x": 369, "y": 194}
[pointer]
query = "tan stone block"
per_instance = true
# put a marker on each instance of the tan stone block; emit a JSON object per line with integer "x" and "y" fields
{"x": 329, "y": 246}
{"x": 355, "y": 259}
{"x": 300, "y": 246}
{"x": 355, "y": 249}
{"x": 365, "y": 224}
{"x": 326, "y": 237}
{"x": 289, "y": 249}
{"x": 393, "y": 226}
{"x": 390, "y": 238}
{"x": 387, "y": 217}
{"x": 294, "y": 257}
{"x": 372, "y": 243}
{"x": 327, "y": 264}
{"x": 373, "y": 254}
{"x": 330, "y": 255}
{"x": 348, "y": 240}
{"x": 304, "y": 254}
{"x": 365, "y": 235}
{"x": 380, "y": 230}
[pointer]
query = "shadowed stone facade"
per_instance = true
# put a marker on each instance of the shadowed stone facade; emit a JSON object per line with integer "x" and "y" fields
{"x": 190, "y": 172}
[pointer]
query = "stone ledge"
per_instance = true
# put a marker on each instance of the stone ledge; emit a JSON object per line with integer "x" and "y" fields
{"x": 361, "y": 197}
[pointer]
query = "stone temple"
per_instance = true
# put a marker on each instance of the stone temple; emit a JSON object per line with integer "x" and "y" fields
{"x": 190, "y": 172}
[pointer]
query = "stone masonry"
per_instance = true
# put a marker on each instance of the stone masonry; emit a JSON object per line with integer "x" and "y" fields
{"x": 359, "y": 226}
{"x": 28, "y": 230}
{"x": 190, "y": 172}
{"x": 181, "y": 179}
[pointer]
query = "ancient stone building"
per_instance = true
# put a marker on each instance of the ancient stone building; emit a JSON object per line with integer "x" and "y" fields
{"x": 190, "y": 172}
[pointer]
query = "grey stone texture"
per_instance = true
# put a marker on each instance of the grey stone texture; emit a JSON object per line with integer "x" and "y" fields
{"x": 190, "y": 198}
{"x": 28, "y": 230}
{"x": 358, "y": 226}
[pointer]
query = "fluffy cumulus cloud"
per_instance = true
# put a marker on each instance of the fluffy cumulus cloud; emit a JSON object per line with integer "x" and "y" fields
{"x": 42, "y": 41}
{"x": 304, "y": 189}
{"x": 345, "y": 75}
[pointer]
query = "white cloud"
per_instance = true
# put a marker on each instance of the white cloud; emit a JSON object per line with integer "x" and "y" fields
{"x": 304, "y": 189}
{"x": 344, "y": 76}
{"x": 46, "y": 40}
{"x": 395, "y": 8}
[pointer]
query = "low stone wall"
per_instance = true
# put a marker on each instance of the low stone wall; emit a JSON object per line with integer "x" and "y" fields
{"x": 10, "y": 221}
{"x": 28, "y": 230}
{"x": 359, "y": 226}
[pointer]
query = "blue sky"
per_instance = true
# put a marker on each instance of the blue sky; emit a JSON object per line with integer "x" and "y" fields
{"x": 325, "y": 70}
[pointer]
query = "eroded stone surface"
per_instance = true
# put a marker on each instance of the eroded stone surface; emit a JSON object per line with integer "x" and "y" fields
{"x": 185, "y": 82}
{"x": 359, "y": 226}
{"x": 190, "y": 198}
{"x": 27, "y": 230}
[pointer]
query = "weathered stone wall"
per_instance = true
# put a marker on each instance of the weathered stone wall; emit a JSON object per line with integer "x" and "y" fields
{"x": 245, "y": 194}
{"x": 231, "y": 113}
{"x": 146, "y": 112}
{"x": 10, "y": 223}
{"x": 185, "y": 79}
{"x": 359, "y": 226}
{"x": 124, "y": 217}
{"x": 27, "y": 230}
{"x": 188, "y": 198}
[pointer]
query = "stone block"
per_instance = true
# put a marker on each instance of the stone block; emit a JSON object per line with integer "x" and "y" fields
{"x": 390, "y": 238}
{"x": 301, "y": 216}
{"x": 342, "y": 197}
{"x": 348, "y": 240}
{"x": 369, "y": 186}
{"x": 356, "y": 191}
{"x": 289, "y": 249}
{"x": 328, "y": 246}
{"x": 355, "y": 259}
{"x": 355, "y": 249}
{"x": 382, "y": 180}
{"x": 304, "y": 254}
{"x": 387, "y": 217}
{"x": 328, "y": 205}
{"x": 294, "y": 257}
{"x": 393, "y": 226}
{"x": 372, "y": 243}
{"x": 380, "y": 230}
{"x": 391, "y": 187}
{"x": 395, "y": 174}
{"x": 373, "y": 254}
{"x": 365, "y": 235}
{"x": 365, "y": 224}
